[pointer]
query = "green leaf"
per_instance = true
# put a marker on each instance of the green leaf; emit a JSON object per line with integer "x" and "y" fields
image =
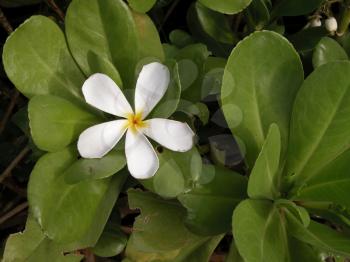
{"x": 180, "y": 38}
{"x": 33, "y": 246}
{"x": 191, "y": 62}
{"x": 260, "y": 82}
{"x": 295, "y": 7}
{"x": 331, "y": 183}
{"x": 258, "y": 14}
{"x": 226, "y": 6}
{"x": 300, "y": 251}
{"x": 38, "y": 62}
{"x": 264, "y": 178}
{"x": 320, "y": 130}
{"x": 169, "y": 102}
{"x": 87, "y": 204}
{"x": 105, "y": 37}
{"x": 177, "y": 171}
{"x": 56, "y": 122}
{"x": 87, "y": 169}
{"x": 328, "y": 50}
{"x": 214, "y": 24}
{"x": 214, "y": 71}
{"x": 319, "y": 235}
{"x": 161, "y": 218}
{"x": 142, "y": 6}
{"x": 259, "y": 232}
{"x": 233, "y": 255}
{"x": 111, "y": 243}
{"x": 198, "y": 109}
{"x": 220, "y": 195}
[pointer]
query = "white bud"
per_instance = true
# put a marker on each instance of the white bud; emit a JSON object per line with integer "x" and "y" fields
{"x": 331, "y": 24}
{"x": 316, "y": 22}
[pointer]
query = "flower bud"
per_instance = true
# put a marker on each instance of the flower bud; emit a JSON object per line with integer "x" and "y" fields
{"x": 316, "y": 22}
{"x": 331, "y": 24}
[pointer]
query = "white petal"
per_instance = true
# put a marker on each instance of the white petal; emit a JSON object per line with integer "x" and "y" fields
{"x": 171, "y": 134}
{"x": 98, "y": 140}
{"x": 151, "y": 85}
{"x": 141, "y": 158}
{"x": 101, "y": 92}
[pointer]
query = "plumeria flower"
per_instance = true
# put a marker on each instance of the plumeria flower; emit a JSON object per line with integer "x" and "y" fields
{"x": 101, "y": 92}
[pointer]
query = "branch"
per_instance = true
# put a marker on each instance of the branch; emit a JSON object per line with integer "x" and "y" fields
{"x": 5, "y": 23}
{"x": 13, "y": 212}
{"x": 55, "y": 8}
{"x": 14, "y": 163}
{"x": 9, "y": 110}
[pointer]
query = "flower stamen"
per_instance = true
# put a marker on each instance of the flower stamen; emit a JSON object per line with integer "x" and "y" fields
{"x": 135, "y": 121}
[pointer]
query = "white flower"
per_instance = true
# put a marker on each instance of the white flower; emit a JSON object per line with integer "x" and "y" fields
{"x": 331, "y": 24}
{"x": 101, "y": 92}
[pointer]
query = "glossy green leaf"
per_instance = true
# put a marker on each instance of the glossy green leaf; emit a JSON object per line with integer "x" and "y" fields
{"x": 220, "y": 195}
{"x": 56, "y": 122}
{"x": 233, "y": 255}
{"x": 169, "y": 102}
{"x": 105, "y": 36}
{"x": 86, "y": 169}
{"x": 328, "y": 50}
{"x": 177, "y": 171}
{"x": 331, "y": 183}
{"x": 264, "y": 178}
{"x": 320, "y": 130}
{"x": 142, "y": 6}
{"x": 180, "y": 38}
{"x": 191, "y": 62}
{"x": 87, "y": 204}
{"x": 33, "y": 246}
{"x": 300, "y": 251}
{"x": 111, "y": 243}
{"x": 319, "y": 235}
{"x": 194, "y": 251}
{"x": 226, "y": 6}
{"x": 214, "y": 24}
{"x": 296, "y": 7}
{"x": 214, "y": 71}
{"x": 38, "y": 62}
{"x": 258, "y": 14}
{"x": 260, "y": 82}
{"x": 259, "y": 232}
{"x": 161, "y": 218}
{"x": 150, "y": 228}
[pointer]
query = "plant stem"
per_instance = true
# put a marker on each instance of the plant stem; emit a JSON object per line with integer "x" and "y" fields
{"x": 55, "y": 8}
{"x": 5, "y": 23}
{"x": 9, "y": 110}
{"x": 13, "y": 212}
{"x": 344, "y": 18}
{"x": 14, "y": 163}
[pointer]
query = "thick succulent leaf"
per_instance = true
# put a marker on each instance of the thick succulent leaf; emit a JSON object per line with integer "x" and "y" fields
{"x": 180, "y": 38}
{"x": 295, "y": 7}
{"x": 264, "y": 178}
{"x": 319, "y": 235}
{"x": 191, "y": 62}
{"x": 259, "y": 232}
{"x": 105, "y": 37}
{"x": 332, "y": 183}
{"x": 221, "y": 194}
{"x": 320, "y": 130}
{"x": 258, "y": 14}
{"x": 85, "y": 169}
{"x": 328, "y": 50}
{"x": 38, "y": 62}
{"x": 142, "y": 6}
{"x": 177, "y": 171}
{"x": 226, "y": 6}
{"x": 56, "y": 122}
{"x": 233, "y": 255}
{"x": 32, "y": 245}
{"x": 260, "y": 82}
{"x": 87, "y": 204}
{"x": 161, "y": 218}
{"x": 300, "y": 251}
{"x": 214, "y": 24}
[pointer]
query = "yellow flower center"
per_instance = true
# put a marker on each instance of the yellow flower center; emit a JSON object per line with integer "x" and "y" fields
{"x": 135, "y": 121}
